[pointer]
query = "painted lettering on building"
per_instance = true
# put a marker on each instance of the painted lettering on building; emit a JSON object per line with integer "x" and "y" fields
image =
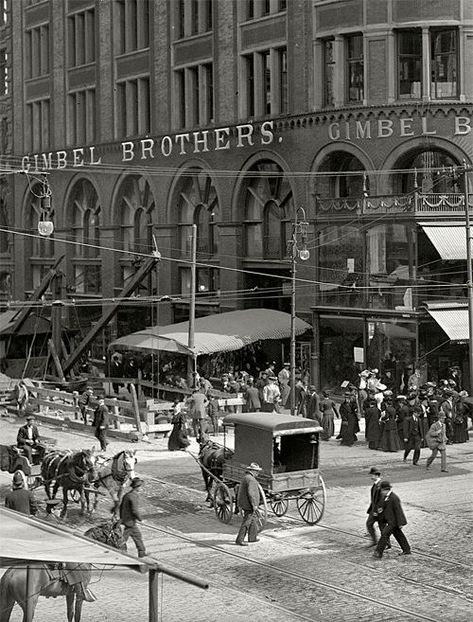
{"x": 400, "y": 128}
{"x": 187, "y": 143}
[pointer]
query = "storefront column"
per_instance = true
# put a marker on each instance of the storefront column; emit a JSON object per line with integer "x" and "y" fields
{"x": 315, "y": 351}
{"x": 231, "y": 250}
{"x": 167, "y": 280}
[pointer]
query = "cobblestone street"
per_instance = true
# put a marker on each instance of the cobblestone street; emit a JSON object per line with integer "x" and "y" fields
{"x": 296, "y": 572}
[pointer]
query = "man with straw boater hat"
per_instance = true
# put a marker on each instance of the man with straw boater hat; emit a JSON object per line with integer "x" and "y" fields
{"x": 248, "y": 501}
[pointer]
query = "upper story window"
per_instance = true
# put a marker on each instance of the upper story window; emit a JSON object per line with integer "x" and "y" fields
{"x": 437, "y": 74}
{"x": 38, "y": 125}
{"x": 194, "y": 89}
{"x": 81, "y": 117}
{"x": 134, "y": 23}
{"x": 410, "y": 63}
{"x": 81, "y": 38}
{"x": 133, "y": 107}
{"x": 354, "y": 60}
{"x": 328, "y": 69}
{"x": 4, "y": 73}
{"x": 260, "y": 8}
{"x": 37, "y": 51}
{"x": 444, "y": 58}
{"x": 265, "y": 82}
{"x": 194, "y": 17}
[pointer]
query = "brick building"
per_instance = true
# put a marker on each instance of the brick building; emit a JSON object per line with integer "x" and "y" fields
{"x": 151, "y": 116}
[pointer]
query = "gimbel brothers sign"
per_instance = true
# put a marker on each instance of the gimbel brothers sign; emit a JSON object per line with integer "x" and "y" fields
{"x": 244, "y": 135}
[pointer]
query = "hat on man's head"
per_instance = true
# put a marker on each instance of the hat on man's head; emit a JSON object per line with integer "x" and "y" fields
{"x": 30, "y": 418}
{"x": 401, "y": 397}
{"x": 374, "y": 471}
{"x": 287, "y": 364}
{"x": 53, "y": 502}
{"x": 136, "y": 482}
{"x": 272, "y": 378}
{"x": 18, "y": 480}
{"x": 347, "y": 394}
{"x": 254, "y": 466}
{"x": 385, "y": 485}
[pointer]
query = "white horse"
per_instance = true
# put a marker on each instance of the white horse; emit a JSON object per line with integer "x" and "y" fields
{"x": 113, "y": 473}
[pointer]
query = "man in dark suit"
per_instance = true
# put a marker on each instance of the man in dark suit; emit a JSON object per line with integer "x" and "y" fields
{"x": 19, "y": 498}
{"x": 413, "y": 435}
{"x": 394, "y": 520}
{"x": 372, "y": 511}
{"x": 28, "y": 439}
{"x": 130, "y": 514}
{"x": 101, "y": 423}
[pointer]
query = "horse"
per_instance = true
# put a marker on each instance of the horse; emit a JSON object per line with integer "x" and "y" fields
{"x": 211, "y": 458}
{"x": 49, "y": 580}
{"x": 113, "y": 473}
{"x": 71, "y": 471}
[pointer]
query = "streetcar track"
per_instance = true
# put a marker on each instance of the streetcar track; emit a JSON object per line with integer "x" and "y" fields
{"x": 300, "y": 521}
{"x": 288, "y": 573}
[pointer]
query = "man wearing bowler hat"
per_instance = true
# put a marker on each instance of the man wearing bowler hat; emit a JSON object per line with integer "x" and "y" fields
{"x": 130, "y": 514}
{"x": 394, "y": 520}
{"x": 248, "y": 501}
{"x": 28, "y": 440}
{"x": 372, "y": 511}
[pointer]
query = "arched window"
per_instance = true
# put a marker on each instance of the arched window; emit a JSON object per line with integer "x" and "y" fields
{"x": 428, "y": 174}
{"x": 86, "y": 218}
{"x": 268, "y": 210}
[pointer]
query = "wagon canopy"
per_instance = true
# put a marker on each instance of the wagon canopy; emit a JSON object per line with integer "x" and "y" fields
{"x": 221, "y": 332}
{"x": 277, "y": 424}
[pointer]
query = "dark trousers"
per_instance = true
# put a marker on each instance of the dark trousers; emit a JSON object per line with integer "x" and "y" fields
{"x": 397, "y": 532}
{"x": 28, "y": 451}
{"x": 413, "y": 443}
{"x": 102, "y": 437}
{"x": 135, "y": 535}
{"x": 248, "y": 525}
{"x": 83, "y": 412}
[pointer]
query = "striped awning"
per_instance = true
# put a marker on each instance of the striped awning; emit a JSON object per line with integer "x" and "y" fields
{"x": 452, "y": 319}
{"x": 449, "y": 240}
{"x": 222, "y": 332}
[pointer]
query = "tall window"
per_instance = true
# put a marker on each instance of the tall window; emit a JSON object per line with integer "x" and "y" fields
{"x": 328, "y": 72}
{"x": 193, "y": 17}
{"x": 410, "y": 64}
{"x": 81, "y": 122}
{"x": 260, "y": 8}
{"x": 4, "y": 77}
{"x": 81, "y": 38}
{"x": 39, "y": 124}
{"x": 354, "y": 56}
{"x": 194, "y": 88}
{"x": 37, "y": 51}
{"x": 133, "y": 107}
{"x": 86, "y": 216}
{"x": 134, "y": 23}
{"x": 444, "y": 55}
{"x": 265, "y": 75}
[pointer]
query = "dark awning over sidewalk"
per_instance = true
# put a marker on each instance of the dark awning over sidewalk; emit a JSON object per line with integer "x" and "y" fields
{"x": 222, "y": 332}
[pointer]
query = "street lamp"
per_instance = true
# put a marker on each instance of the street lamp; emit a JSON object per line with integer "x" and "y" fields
{"x": 299, "y": 228}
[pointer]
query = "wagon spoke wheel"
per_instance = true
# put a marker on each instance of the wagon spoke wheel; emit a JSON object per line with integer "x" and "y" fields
{"x": 311, "y": 503}
{"x": 223, "y": 503}
{"x": 261, "y": 514}
{"x": 279, "y": 505}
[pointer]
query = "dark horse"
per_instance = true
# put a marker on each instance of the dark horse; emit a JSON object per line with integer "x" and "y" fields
{"x": 211, "y": 458}
{"x": 48, "y": 580}
{"x": 53, "y": 580}
{"x": 71, "y": 471}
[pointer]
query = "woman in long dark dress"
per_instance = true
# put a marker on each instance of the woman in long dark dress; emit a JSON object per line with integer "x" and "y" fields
{"x": 390, "y": 437}
{"x": 372, "y": 426}
{"x": 178, "y": 437}
{"x": 460, "y": 422}
{"x": 349, "y": 426}
{"x": 329, "y": 411}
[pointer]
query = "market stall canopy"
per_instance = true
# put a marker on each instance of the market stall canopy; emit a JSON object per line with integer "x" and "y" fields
{"x": 33, "y": 324}
{"x": 26, "y": 539}
{"x": 452, "y": 319}
{"x": 222, "y": 332}
{"x": 448, "y": 239}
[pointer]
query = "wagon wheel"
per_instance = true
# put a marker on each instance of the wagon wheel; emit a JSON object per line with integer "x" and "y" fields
{"x": 279, "y": 504}
{"x": 223, "y": 503}
{"x": 261, "y": 514}
{"x": 311, "y": 503}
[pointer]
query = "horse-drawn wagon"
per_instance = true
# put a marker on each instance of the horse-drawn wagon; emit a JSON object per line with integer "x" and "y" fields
{"x": 287, "y": 449}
